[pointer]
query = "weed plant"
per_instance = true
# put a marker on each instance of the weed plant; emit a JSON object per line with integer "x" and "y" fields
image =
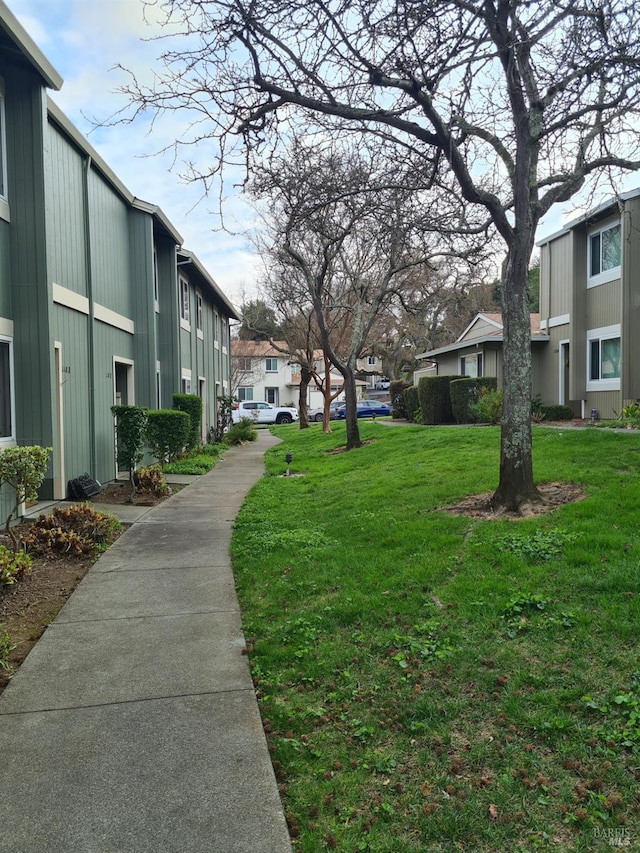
{"x": 434, "y": 682}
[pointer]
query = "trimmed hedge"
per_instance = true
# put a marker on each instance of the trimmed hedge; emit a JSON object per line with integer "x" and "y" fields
{"x": 465, "y": 392}
{"x": 411, "y": 402}
{"x": 556, "y": 412}
{"x": 435, "y": 399}
{"x": 396, "y": 394}
{"x": 192, "y": 405}
{"x": 167, "y": 433}
{"x": 131, "y": 427}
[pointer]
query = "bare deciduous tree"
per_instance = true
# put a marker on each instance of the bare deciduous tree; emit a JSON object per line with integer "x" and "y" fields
{"x": 350, "y": 239}
{"x": 521, "y": 102}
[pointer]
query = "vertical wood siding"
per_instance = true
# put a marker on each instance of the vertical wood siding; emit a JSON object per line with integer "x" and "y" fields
{"x": 109, "y": 247}
{"x": 72, "y": 330}
{"x": 66, "y": 245}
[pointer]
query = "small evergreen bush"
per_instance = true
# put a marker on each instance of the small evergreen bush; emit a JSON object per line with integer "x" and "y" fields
{"x": 167, "y": 433}
{"x": 435, "y": 399}
{"x": 192, "y": 405}
{"x": 488, "y": 409}
{"x": 464, "y": 392}
{"x": 411, "y": 402}
{"x": 131, "y": 428}
{"x": 22, "y": 468}
{"x": 556, "y": 412}
{"x": 396, "y": 395}
{"x": 244, "y": 430}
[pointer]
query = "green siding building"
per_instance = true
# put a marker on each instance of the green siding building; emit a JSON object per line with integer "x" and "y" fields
{"x": 99, "y": 301}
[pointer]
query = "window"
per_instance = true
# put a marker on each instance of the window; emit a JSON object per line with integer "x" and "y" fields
{"x": 603, "y": 359}
{"x": 471, "y": 365}
{"x": 158, "y": 386}
{"x": 245, "y": 394}
{"x": 216, "y": 328}
{"x": 604, "y": 254}
{"x": 271, "y": 365}
{"x": 184, "y": 301}
{"x": 6, "y": 390}
{"x": 186, "y": 385}
{"x": 245, "y": 364}
{"x": 225, "y": 334}
{"x": 199, "y": 313}
{"x": 372, "y": 360}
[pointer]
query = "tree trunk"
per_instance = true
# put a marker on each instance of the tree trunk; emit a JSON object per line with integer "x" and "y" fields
{"x": 516, "y": 487}
{"x": 305, "y": 378}
{"x": 326, "y": 393}
{"x": 353, "y": 432}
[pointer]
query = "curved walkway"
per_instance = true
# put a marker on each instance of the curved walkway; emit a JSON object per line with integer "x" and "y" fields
{"x": 133, "y": 724}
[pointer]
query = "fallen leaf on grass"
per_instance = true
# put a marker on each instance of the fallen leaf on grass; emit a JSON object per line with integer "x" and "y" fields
{"x": 493, "y": 811}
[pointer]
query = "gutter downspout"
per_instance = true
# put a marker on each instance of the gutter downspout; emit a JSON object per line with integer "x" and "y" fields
{"x": 90, "y": 330}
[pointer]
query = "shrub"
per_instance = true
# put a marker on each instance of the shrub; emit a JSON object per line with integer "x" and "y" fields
{"x": 396, "y": 395}
{"x": 213, "y": 450}
{"x": 131, "y": 426}
{"x": 244, "y": 430}
{"x": 195, "y": 463}
{"x": 6, "y": 647}
{"x": 556, "y": 412}
{"x": 13, "y": 565}
{"x": 488, "y": 409}
{"x": 77, "y": 530}
{"x": 192, "y": 405}
{"x": 167, "y": 433}
{"x": 464, "y": 392}
{"x": 411, "y": 402}
{"x": 224, "y": 420}
{"x": 435, "y": 399}
{"x": 151, "y": 481}
{"x": 22, "y": 468}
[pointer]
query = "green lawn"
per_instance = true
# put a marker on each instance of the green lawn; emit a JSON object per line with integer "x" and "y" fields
{"x": 435, "y": 682}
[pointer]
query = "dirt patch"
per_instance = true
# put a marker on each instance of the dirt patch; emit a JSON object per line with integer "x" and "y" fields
{"x": 30, "y": 604}
{"x": 553, "y": 495}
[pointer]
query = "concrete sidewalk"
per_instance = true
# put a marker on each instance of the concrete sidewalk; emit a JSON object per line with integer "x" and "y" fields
{"x": 133, "y": 724}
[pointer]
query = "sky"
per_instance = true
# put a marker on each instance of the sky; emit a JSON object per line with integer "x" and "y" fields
{"x": 84, "y": 40}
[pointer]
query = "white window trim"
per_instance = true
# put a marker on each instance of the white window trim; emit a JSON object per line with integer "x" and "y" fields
{"x": 185, "y": 377}
{"x": 6, "y": 337}
{"x": 608, "y": 275}
{"x": 199, "y": 315}
{"x": 185, "y": 314}
{"x": 472, "y": 356}
{"x": 269, "y": 359}
{"x": 604, "y": 333}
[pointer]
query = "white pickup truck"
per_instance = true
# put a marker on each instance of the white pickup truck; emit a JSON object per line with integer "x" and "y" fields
{"x": 263, "y": 413}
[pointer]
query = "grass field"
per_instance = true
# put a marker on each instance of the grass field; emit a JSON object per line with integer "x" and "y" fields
{"x": 432, "y": 682}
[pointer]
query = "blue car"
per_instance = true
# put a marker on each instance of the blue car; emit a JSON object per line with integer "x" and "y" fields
{"x": 366, "y": 409}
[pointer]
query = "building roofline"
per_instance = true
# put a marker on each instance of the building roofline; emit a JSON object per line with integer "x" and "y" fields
{"x": 160, "y": 216}
{"x": 475, "y": 342}
{"x": 21, "y": 38}
{"x": 206, "y": 275}
{"x": 65, "y": 124}
{"x": 610, "y": 202}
